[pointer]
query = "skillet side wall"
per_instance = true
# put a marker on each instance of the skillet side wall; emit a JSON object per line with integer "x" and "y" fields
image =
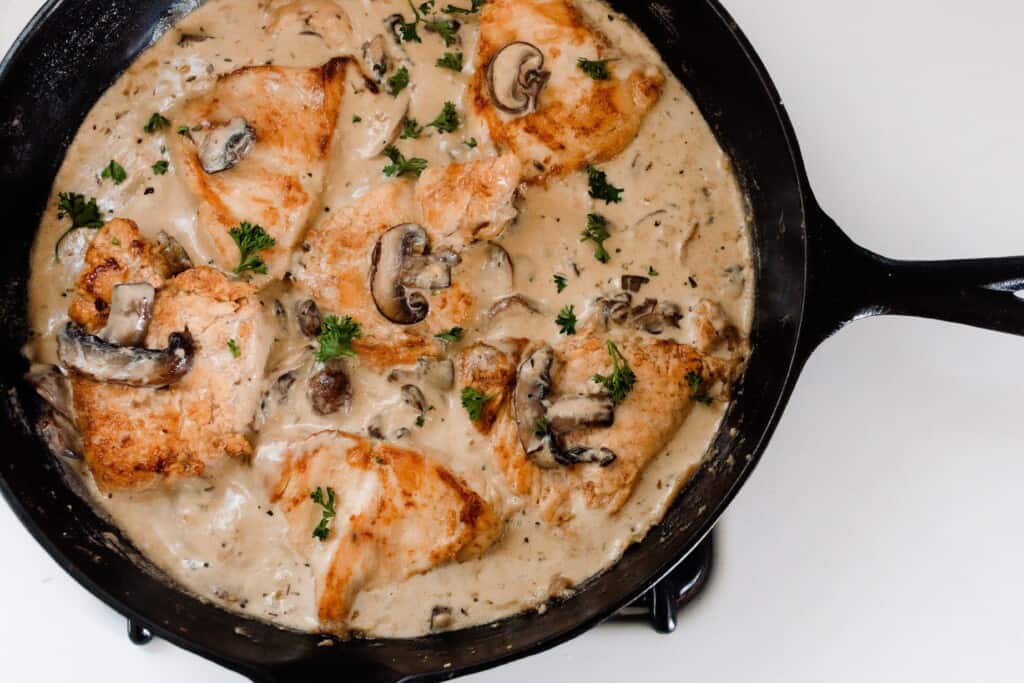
{"x": 75, "y": 49}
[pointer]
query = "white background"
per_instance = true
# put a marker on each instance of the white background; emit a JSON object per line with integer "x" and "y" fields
{"x": 881, "y": 536}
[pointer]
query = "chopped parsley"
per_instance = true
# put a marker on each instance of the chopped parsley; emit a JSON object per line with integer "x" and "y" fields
{"x": 473, "y": 9}
{"x": 336, "y": 336}
{"x": 600, "y": 188}
{"x": 116, "y": 242}
{"x": 420, "y": 420}
{"x": 160, "y": 167}
{"x": 233, "y": 348}
{"x": 450, "y": 60}
{"x": 448, "y": 29}
{"x": 324, "y": 527}
{"x": 410, "y": 129}
{"x": 473, "y": 401}
{"x": 621, "y": 380}
{"x": 184, "y": 130}
{"x": 356, "y": 118}
{"x": 597, "y": 232}
{"x": 407, "y": 29}
{"x": 566, "y": 320}
{"x": 595, "y": 68}
{"x": 398, "y": 82}
{"x": 115, "y": 172}
{"x": 451, "y": 336}
{"x": 471, "y": 143}
{"x": 698, "y": 392}
{"x": 156, "y": 122}
{"x": 426, "y": 7}
{"x": 399, "y": 165}
{"x": 83, "y": 214}
{"x": 560, "y": 282}
{"x": 251, "y": 239}
{"x": 447, "y": 121}
{"x": 542, "y": 427}
{"x": 652, "y": 272}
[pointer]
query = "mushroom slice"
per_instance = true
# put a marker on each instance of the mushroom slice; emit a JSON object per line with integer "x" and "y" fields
{"x": 511, "y": 303}
{"x": 615, "y": 309}
{"x": 400, "y": 263}
{"x": 375, "y": 57}
{"x": 633, "y": 283}
{"x": 330, "y": 388}
{"x": 104, "y": 361}
{"x": 515, "y": 78}
{"x": 533, "y": 384}
{"x": 225, "y": 146}
{"x": 439, "y": 373}
{"x": 572, "y": 413}
{"x": 413, "y": 397}
{"x": 586, "y": 454}
{"x": 175, "y": 255}
{"x": 131, "y": 309}
{"x": 309, "y": 317}
{"x": 56, "y": 423}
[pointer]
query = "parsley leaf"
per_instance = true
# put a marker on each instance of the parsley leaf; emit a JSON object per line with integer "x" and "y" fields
{"x": 473, "y": 9}
{"x": 407, "y": 29}
{"x": 400, "y": 165}
{"x": 324, "y": 527}
{"x": 426, "y": 7}
{"x": 448, "y": 29}
{"x": 447, "y": 121}
{"x": 115, "y": 172}
{"x": 600, "y": 188}
{"x": 451, "y": 336}
{"x": 697, "y": 391}
{"x": 542, "y": 427}
{"x": 471, "y": 143}
{"x": 160, "y": 167}
{"x": 566, "y": 320}
{"x": 420, "y": 420}
{"x": 336, "y": 336}
{"x": 184, "y": 130}
{"x": 597, "y": 232}
{"x": 450, "y": 60}
{"x": 621, "y": 380}
{"x": 473, "y": 401}
{"x": 652, "y": 272}
{"x": 83, "y": 214}
{"x": 251, "y": 239}
{"x": 410, "y": 129}
{"x": 560, "y": 283}
{"x": 156, "y": 122}
{"x": 595, "y": 68}
{"x": 233, "y": 347}
{"x": 398, "y": 82}
{"x": 356, "y": 118}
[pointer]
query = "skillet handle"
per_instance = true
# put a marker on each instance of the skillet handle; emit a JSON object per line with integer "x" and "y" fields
{"x": 847, "y": 282}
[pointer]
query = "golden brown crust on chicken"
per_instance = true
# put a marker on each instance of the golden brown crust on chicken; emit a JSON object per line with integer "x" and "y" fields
{"x": 645, "y": 421}
{"x": 398, "y": 514}
{"x": 293, "y": 113}
{"x": 578, "y": 120}
{"x": 136, "y": 438}
{"x": 117, "y": 254}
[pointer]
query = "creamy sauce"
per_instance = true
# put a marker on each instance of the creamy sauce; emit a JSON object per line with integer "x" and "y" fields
{"x": 682, "y": 216}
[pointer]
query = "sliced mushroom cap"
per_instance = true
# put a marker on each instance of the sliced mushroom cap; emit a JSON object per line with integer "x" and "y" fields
{"x": 131, "y": 309}
{"x": 516, "y": 76}
{"x": 330, "y": 388}
{"x": 413, "y": 397}
{"x": 516, "y": 302}
{"x": 615, "y": 309}
{"x": 375, "y": 57}
{"x": 400, "y": 268}
{"x": 309, "y": 317}
{"x": 633, "y": 283}
{"x": 586, "y": 454}
{"x": 572, "y": 413}
{"x": 175, "y": 255}
{"x": 56, "y": 424}
{"x": 103, "y": 361}
{"x": 223, "y": 147}
{"x": 533, "y": 384}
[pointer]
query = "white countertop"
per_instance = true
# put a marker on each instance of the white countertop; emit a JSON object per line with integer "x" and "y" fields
{"x": 881, "y": 536}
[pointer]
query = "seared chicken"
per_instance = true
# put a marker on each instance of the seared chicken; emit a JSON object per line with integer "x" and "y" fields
{"x": 396, "y": 514}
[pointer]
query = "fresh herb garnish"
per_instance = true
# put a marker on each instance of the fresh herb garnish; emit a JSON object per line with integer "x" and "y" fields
{"x": 597, "y": 232}
{"x": 473, "y": 9}
{"x": 450, "y": 60}
{"x": 156, "y": 123}
{"x": 560, "y": 283}
{"x": 251, "y": 239}
{"x": 448, "y": 29}
{"x": 473, "y": 401}
{"x": 336, "y": 336}
{"x": 83, "y": 214}
{"x": 542, "y": 427}
{"x": 324, "y": 527}
{"x": 447, "y": 121}
{"x": 356, "y": 118}
{"x": 566, "y": 320}
{"x": 160, "y": 167}
{"x": 115, "y": 172}
{"x": 698, "y": 392}
{"x": 652, "y": 272}
{"x": 116, "y": 242}
{"x": 407, "y": 29}
{"x": 621, "y": 380}
{"x": 399, "y": 165}
{"x": 420, "y": 420}
{"x": 451, "y": 336}
{"x": 184, "y": 130}
{"x": 600, "y": 188}
{"x": 471, "y": 143}
{"x": 595, "y": 68}
{"x": 398, "y": 82}
{"x": 233, "y": 347}
{"x": 410, "y": 129}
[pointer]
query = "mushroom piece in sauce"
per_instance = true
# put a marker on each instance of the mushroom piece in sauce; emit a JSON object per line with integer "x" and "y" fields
{"x": 330, "y": 388}
{"x": 103, "y": 361}
{"x": 224, "y": 146}
{"x": 309, "y": 317}
{"x": 131, "y": 309}
{"x": 175, "y": 255}
{"x": 375, "y": 57}
{"x": 56, "y": 423}
{"x": 516, "y": 76}
{"x": 401, "y": 268}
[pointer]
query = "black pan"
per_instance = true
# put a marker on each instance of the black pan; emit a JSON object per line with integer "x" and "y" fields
{"x": 811, "y": 280}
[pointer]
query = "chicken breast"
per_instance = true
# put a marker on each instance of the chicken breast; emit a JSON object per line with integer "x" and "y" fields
{"x": 137, "y": 438}
{"x": 258, "y": 152}
{"x": 397, "y": 514}
{"x": 324, "y": 19}
{"x": 578, "y": 120}
{"x": 670, "y": 379}
{"x": 492, "y": 372}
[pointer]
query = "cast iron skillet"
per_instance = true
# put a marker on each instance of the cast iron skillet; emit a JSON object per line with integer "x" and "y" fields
{"x": 811, "y": 280}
